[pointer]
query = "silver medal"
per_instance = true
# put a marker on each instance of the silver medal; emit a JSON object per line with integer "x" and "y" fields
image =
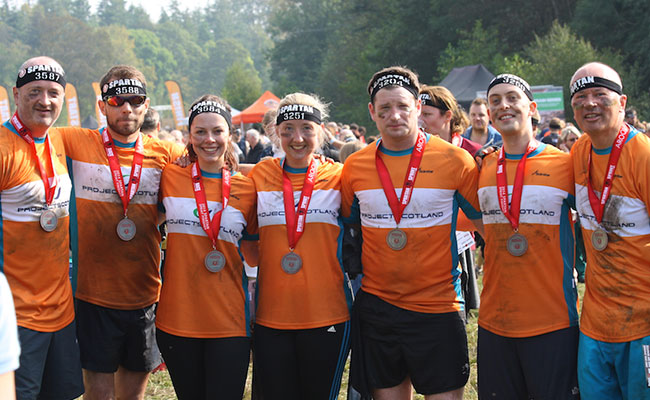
{"x": 291, "y": 263}
{"x": 214, "y": 261}
{"x": 517, "y": 245}
{"x": 599, "y": 239}
{"x": 48, "y": 220}
{"x": 126, "y": 229}
{"x": 396, "y": 239}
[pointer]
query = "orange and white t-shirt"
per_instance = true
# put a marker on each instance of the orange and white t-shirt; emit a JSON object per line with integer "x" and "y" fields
{"x": 110, "y": 272}
{"x": 425, "y": 275}
{"x": 534, "y": 293}
{"x": 617, "y": 297}
{"x": 317, "y": 295}
{"x": 195, "y": 302}
{"x": 35, "y": 262}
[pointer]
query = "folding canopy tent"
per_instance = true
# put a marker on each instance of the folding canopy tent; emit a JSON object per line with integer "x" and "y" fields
{"x": 255, "y": 112}
{"x": 464, "y": 82}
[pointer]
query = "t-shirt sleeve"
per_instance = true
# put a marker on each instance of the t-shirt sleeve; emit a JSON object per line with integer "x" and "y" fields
{"x": 467, "y": 191}
{"x": 347, "y": 194}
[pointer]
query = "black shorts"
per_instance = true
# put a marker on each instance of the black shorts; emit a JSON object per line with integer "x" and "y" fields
{"x": 200, "y": 368}
{"x": 538, "y": 367}
{"x": 302, "y": 363}
{"x": 394, "y": 343}
{"x": 49, "y": 365}
{"x": 110, "y": 338}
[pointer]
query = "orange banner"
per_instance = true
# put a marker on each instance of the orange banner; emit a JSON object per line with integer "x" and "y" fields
{"x": 176, "y": 101}
{"x": 74, "y": 118}
{"x": 101, "y": 118}
{"x": 5, "y": 110}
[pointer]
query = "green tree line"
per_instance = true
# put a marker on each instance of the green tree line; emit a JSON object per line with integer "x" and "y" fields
{"x": 328, "y": 47}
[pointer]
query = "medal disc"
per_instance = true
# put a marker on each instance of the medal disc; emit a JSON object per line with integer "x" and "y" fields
{"x": 396, "y": 239}
{"x": 291, "y": 263}
{"x": 214, "y": 261}
{"x": 517, "y": 244}
{"x": 599, "y": 239}
{"x": 48, "y": 220}
{"x": 126, "y": 229}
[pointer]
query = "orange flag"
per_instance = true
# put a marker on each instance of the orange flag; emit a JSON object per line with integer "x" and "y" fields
{"x": 5, "y": 111}
{"x": 74, "y": 119}
{"x": 101, "y": 118}
{"x": 176, "y": 101}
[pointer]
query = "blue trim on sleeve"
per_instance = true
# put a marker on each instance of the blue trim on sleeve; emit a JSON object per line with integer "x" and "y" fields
{"x": 466, "y": 206}
{"x": 251, "y": 238}
{"x": 608, "y": 150}
{"x": 74, "y": 229}
{"x": 347, "y": 285}
{"x": 567, "y": 247}
{"x": 538, "y": 150}
{"x": 456, "y": 271}
{"x": 247, "y": 309}
{"x": 355, "y": 212}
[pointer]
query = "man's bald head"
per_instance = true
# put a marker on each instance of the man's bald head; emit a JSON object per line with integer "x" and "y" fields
{"x": 597, "y": 69}
{"x": 40, "y": 60}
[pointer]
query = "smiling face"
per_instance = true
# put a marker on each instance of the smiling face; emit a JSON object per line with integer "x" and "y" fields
{"x": 39, "y": 104}
{"x": 510, "y": 110}
{"x": 209, "y": 137}
{"x": 299, "y": 140}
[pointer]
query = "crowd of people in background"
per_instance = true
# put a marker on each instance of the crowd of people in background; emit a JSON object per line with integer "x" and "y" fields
{"x": 360, "y": 243}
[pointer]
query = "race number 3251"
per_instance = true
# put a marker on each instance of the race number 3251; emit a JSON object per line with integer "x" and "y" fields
{"x": 646, "y": 359}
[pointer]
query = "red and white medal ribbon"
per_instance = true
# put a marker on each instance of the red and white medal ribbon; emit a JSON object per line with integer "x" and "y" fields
{"x": 116, "y": 173}
{"x": 296, "y": 219}
{"x": 210, "y": 226}
{"x": 397, "y": 206}
{"x": 49, "y": 182}
{"x": 512, "y": 212}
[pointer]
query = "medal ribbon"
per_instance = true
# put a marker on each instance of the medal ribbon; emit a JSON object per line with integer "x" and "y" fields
{"x": 295, "y": 219}
{"x": 397, "y": 207}
{"x": 50, "y": 183}
{"x": 211, "y": 227}
{"x": 116, "y": 172}
{"x": 512, "y": 212}
{"x": 598, "y": 204}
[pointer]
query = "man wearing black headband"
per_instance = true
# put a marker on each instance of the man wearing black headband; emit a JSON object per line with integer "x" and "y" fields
{"x": 409, "y": 314}
{"x": 115, "y": 240}
{"x": 528, "y": 323}
{"x": 34, "y": 234}
{"x": 611, "y": 164}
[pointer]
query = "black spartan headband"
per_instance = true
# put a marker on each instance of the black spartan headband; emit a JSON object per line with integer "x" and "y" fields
{"x": 42, "y": 72}
{"x": 120, "y": 87}
{"x": 511, "y": 80}
{"x": 209, "y": 106}
{"x": 392, "y": 79}
{"x": 298, "y": 112}
{"x": 595, "y": 81}
{"x": 426, "y": 100}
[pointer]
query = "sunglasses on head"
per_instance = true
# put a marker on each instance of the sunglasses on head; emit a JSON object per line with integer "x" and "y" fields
{"x": 117, "y": 101}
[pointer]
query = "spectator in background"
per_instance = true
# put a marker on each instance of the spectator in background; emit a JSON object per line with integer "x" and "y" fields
{"x": 568, "y": 137}
{"x": 177, "y": 137}
{"x": 553, "y": 134}
{"x": 481, "y": 131}
{"x": 256, "y": 147}
{"x": 362, "y": 133}
{"x": 151, "y": 124}
{"x": 235, "y": 138}
{"x": 347, "y": 136}
{"x": 350, "y": 148}
{"x": 535, "y": 122}
{"x": 632, "y": 119}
